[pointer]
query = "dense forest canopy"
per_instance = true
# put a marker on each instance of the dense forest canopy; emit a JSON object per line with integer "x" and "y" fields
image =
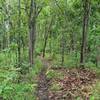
{"x": 66, "y": 32}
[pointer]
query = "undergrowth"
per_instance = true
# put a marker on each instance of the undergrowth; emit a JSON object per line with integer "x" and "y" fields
{"x": 15, "y": 84}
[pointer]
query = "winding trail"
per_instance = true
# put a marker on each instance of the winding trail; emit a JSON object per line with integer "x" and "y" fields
{"x": 42, "y": 83}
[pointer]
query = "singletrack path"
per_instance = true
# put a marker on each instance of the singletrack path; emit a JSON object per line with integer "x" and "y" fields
{"x": 42, "y": 83}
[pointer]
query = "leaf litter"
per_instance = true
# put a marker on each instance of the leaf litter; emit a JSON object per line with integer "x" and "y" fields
{"x": 76, "y": 83}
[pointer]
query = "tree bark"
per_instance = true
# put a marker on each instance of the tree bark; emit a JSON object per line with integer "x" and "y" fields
{"x": 19, "y": 35}
{"x": 32, "y": 24}
{"x": 85, "y": 30}
{"x": 45, "y": 43}
{"x": 33, "y": 14}
{"x": 72, "y": 42}
{"x": 47, "y": 33}
{"x": 63, "y": 49}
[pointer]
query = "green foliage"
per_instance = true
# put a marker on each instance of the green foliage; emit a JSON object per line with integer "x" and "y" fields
{"x": 7, "y": 58}
{"x": 17, "y": 86}
{"x": 13, "y": 46}
{"x": 96, "y": 91}
{"x": 61, "y": 21}
{"x": 55, "y": 87}
{"x": 50, "y": 74}
{"x": 54, "y": 74}
{"x": 37, "y": 67}
{"x": 18, "y": 91}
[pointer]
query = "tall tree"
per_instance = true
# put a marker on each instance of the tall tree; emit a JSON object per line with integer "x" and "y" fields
{"x": 19, "y": 35}
{"x": 46, "y": 35}
{"x": 33, "y": 14}
{"x": 32, "y": 22}
{"x": 86, "y": 7}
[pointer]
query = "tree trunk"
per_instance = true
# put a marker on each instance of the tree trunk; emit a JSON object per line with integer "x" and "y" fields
{"x": 85, "y": 29}
{"x": 32, "y": 24}
{"x": 19, "y": 36}
{"x": 72, "y": 42}
{"x": 63, "y": 49}
{"x": 47, "y": 33}
{"x": 45, "y": 43}
{"x": 31, "y": 43}
{"x": 45, "y": 39}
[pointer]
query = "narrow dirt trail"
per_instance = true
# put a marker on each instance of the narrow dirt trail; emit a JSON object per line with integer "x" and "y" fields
{"x": 42, "y": 83}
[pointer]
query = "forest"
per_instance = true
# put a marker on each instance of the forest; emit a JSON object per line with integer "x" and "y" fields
{"x": 49, "y": 49}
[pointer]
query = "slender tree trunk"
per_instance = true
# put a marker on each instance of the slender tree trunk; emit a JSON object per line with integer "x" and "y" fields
{"x": 19, "y": 36}
{"x": 34, "y": 12}
{"x": 47, "y": 33}
{"x": 31, "y": 43}
{"x": 32, "y": 25}
{"x": 4, "y": 42}
{"x": 45, "y": 43}
{"x": 63, "y": 49}
{"x": 72, "y": 41}
{"x": 85, "y": 29}
{"x": 50, "y": 44}
{"x": 45, "y": 39}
